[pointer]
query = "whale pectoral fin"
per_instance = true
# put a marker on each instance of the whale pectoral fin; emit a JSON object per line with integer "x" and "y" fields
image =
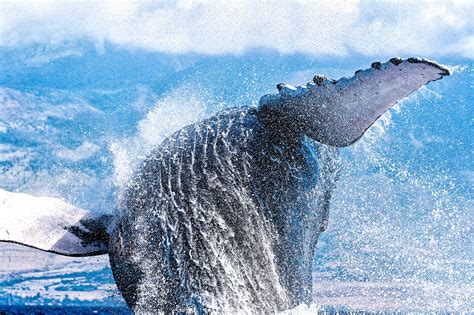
{"x": 339, "y": 112}
{"x": 52, "y": 225}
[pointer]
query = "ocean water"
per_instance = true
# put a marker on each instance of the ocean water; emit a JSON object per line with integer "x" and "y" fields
{"x": 73, "y": 125}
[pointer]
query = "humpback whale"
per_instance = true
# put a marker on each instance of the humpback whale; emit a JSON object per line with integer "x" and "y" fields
{"x": 225, "y": 214}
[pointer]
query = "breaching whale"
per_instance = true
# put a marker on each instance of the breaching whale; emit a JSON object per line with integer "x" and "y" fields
{"x": 225, "y": 214}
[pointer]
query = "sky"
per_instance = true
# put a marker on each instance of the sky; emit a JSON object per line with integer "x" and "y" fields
{"x": 329, "y": 28}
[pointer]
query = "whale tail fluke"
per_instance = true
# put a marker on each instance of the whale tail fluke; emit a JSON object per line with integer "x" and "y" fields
{"x": 339, "y": 112}
{"x": 52, "y": 225}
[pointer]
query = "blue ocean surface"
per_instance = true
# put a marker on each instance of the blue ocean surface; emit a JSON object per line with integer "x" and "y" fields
{"x": 73, "y": 120}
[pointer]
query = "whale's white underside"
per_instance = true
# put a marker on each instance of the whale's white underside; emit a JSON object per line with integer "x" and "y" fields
{"x": 44, "y": 223}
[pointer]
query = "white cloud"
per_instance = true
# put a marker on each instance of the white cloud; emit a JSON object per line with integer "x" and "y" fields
{"x": 217, "y": 27}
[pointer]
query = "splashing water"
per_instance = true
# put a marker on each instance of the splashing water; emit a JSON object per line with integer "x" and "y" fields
{"x": 400, "y": 235}
{"x": 171, "y": 113}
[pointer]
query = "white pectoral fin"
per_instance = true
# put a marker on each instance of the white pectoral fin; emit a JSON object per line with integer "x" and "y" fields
{"x": 339, "y": 112}
{"x": 52, "y": 225}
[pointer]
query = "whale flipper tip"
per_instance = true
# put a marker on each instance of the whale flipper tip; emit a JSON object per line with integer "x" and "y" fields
{"x": 52, "y": 225}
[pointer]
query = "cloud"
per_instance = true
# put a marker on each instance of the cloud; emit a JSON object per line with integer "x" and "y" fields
{"x": 431, "y": 28}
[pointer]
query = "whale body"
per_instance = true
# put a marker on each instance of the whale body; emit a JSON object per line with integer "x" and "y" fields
{"x": 234, "y": 211}
{"x": 225, "y": 214}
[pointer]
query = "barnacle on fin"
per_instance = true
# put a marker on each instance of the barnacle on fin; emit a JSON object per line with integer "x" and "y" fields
{"x": 319, "y": 79}
{"x": 396, "y": 61}
{"x": 376, "y": 65}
